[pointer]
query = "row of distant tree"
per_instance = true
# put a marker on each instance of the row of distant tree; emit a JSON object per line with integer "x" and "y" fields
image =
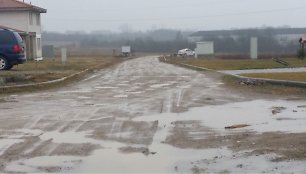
{"x": 150, "y": 41}
{"x": 172, "y": 40}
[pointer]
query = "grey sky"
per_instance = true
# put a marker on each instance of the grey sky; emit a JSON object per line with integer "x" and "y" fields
{"x": 117, "y": 15}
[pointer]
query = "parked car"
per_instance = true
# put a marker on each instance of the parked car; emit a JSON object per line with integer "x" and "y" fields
{"x": 186, "y": 52}
{"x": 11, "y": 49}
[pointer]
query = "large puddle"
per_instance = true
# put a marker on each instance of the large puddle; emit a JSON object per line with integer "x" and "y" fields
{"x": 261, "y": 116}
{"x": 257, "y": 114}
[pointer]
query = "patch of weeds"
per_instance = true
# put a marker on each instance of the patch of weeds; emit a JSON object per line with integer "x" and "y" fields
{"x": 236, "y": 64}
{"x": 266, "y": 88}
{"x": 294, "y": 76}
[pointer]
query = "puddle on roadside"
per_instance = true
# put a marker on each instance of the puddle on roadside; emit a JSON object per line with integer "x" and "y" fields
{"x": 169, "y": 159}
{"x": 50, "y": 163}
{"x": 165, "y": 160}
{"x": 68, "y": 137}
{"x": 241, "y": 163}
{"x": 111, "y": 160}
{"x": 257, "y": 114}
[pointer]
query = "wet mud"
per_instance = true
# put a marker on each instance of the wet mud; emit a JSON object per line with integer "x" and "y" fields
{"x": 144, "y": 116}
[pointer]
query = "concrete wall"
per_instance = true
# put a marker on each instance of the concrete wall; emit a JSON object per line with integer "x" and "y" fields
{"x": 254, "y": 48}
{"x": 289, "y": 38}
{"x": 17, "y": 20}
{"x": 21, "y": 21}
{"x": 204, "y": 48}
{"x": 193, "y": 39}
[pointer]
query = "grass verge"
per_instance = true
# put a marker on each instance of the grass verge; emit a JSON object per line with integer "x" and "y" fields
{"x": 266, "y": 88}
{"x": 296, "y": 76}
{"x": 233, "y": 64}
{"x": 48, "y": 70}
{"x": 234, "y": 82}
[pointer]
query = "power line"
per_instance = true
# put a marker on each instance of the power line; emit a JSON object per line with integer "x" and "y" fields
{"x": 176, "y": 5}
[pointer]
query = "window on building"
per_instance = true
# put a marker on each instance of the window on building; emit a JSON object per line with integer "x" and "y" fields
{"x": 6, "y": 38}
{"x": 38, "y": 43}
{"x": 31, "y": 18}
{"x": 38, "y": 19}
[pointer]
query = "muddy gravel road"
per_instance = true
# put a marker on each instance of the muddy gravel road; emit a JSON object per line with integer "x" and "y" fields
{"x": 143, "y": 116}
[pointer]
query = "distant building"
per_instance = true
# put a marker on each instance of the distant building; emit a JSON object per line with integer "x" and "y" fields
{"x": 126, "y": 51}
{"x": 204, "y": 49}
{"x": 26, "y": 20}
{"x": 303, "y": 42}
{"x": 302, "y": 39}
{"x": 282, "y": 35}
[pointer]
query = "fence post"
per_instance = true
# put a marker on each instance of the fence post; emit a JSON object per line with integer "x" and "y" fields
{"x": 254, "y": 48}
{"x": 64, "y": 55}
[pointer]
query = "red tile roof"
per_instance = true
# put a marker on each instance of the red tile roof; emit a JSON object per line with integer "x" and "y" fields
{"x": 16, "y": 5}
{"x": 303, "y": 39}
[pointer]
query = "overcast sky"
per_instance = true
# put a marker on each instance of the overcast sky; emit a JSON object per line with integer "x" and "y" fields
{"x": 118, "y": 15}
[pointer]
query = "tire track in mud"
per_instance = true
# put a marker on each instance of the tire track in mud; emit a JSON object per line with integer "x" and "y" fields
{"x": 103, "y": 106}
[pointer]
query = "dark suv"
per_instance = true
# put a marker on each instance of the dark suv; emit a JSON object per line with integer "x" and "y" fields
{"x": 11, "y": 49}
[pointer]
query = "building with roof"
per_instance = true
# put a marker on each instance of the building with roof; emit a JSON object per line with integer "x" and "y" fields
{"x": 282, "y": 35}
{"x": 303, "y": 42}
{"x": 25, "y": 18}
{"x": 302, "y": 39}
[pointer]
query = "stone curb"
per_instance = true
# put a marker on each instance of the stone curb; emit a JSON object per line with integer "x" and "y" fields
{"x": 274, "y": 82}
{"x": 3, "y": 88}
{"x": 195, "y": 67}
{"x": 270, "y": 81}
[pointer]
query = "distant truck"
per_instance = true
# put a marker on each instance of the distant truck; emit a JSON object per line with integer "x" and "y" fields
{"x": 126, "y": 51}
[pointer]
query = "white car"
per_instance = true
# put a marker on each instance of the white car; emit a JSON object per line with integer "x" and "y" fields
{"x": 186, "y": 52}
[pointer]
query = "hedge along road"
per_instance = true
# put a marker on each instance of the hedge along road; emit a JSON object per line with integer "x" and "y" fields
{"x": 147, "y": 116}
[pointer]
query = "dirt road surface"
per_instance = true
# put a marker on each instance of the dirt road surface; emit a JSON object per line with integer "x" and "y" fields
{"x": 143, "y": 116}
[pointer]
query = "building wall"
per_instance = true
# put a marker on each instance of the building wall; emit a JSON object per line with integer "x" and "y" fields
{"x": 17, "y": 20}
{"x": 193, "y": 39}
{"x": 289, "y": 38}
{"x": 27, "y": 21}
{"x": 34, "y": 23}
{"x": 204, "y": 48}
